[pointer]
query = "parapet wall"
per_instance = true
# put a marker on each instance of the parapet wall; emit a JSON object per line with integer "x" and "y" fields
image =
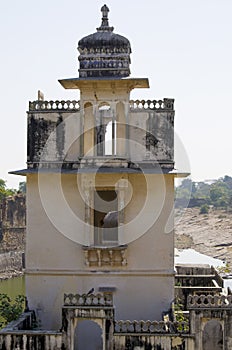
{"x": 148, "y": 125}
{"x": 209, "y": 315}
{"x": 20, "y": 335}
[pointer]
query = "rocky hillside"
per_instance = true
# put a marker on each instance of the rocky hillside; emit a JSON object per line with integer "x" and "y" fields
{"x": 210, "y": 234}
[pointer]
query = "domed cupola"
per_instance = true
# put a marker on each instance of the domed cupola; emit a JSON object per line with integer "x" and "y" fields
{"x": 104, "y": 54}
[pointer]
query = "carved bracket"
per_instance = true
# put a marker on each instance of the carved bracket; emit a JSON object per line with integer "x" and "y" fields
{"x": 102, "y": 256}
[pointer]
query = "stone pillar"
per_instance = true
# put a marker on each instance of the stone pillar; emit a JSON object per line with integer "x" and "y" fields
{"x": 121, "y": 188}
{"x": 127, "y": 136}
{"x": 87, "y": 193}
{"x": 89, "y": 127}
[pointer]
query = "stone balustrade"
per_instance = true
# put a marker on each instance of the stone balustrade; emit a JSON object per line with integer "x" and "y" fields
{"x": 33, "y": 340}
{"x": 38, "y": 106}
{"x": 165, "y": 104}
{"x": 89, "y": 300}
{"x": 151, "y": 327}
{"x": 19, "y": 334}
{"x": 209, "y": 301}
{"x": 105, "y": 256}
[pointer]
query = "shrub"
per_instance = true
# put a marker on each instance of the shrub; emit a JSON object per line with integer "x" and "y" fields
{"x": 10, "y": 309}
{"x": 204, "y": 209}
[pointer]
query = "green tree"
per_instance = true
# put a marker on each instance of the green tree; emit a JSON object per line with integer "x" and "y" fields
{"x": 219, "y": 194}
{"x": 202, "y": 190}
{"x": 10, "y": 309}
{"x": 22, "y": 187}
{"x": 204, "y": 209}
{"x": 186, "y": 189}
{"x": 4, "y": 191}
{"x": 228, "y": 181}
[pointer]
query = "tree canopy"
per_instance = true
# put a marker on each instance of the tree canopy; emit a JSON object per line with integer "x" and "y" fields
{"x": 218, "y": 193}
{"x": 4, "y": 191}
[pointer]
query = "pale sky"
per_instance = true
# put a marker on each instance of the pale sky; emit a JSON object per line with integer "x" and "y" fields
{"x": 184, "y": 47}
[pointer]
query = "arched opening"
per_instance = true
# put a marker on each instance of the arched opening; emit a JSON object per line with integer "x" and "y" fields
{"x": 110, "y": 139}
{"x": 213, "y": 336}
{"x": 88, "y": 335}
{"x": 88, "y": 129}
{"x": 106, "y": 132}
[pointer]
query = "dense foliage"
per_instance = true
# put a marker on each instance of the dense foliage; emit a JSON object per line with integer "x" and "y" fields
{"x": 10, "y": 309}
{"x": 217, "y": 193}
{"x": 22, "y": 187}
{"x": 6, "y": 192}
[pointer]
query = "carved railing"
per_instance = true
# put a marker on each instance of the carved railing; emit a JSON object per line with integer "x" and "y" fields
{"x": 151, "y": 327}
{"x": 209, "y": 301}
{"x": 39, "y": 106}
{"x": 91, "y": 300}
{"x": 105, "y": 256}
{"x": 165, "y": 104}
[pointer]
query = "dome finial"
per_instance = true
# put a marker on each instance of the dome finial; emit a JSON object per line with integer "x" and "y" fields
{"x": 104, "y": 54}
{"x": 105, "y": 21}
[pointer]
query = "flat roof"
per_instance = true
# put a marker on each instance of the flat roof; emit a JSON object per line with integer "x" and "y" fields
{"x": 190, "y": 257}
{"x": 101, "y": 170}
{"x": 80, "y": 83}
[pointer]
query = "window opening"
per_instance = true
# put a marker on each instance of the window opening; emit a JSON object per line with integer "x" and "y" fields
{"x": 106, "y": 132}
{"x": 110, "y": 138}
{"x": 105, "y": 217}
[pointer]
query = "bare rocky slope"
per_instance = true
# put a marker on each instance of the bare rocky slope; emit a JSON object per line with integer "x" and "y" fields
{"x": 210, "y": 234}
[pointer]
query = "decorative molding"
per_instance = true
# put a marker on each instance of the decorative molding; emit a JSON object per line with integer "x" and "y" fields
{"x": 105, "y": 256}
{"x": 90, "y": 300}
{"x": 209, "y": 301}
{"x": 141, "y": 326}
{"x": 165, "y": 104}
{"x": 86, "y": 272}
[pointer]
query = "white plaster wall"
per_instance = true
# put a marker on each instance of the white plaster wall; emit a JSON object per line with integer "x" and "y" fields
{"x": 47, "y": 246}
{"x": 136, "y": 297}
{"x": 150, "y": 212}
{"x": 55, "y": 263}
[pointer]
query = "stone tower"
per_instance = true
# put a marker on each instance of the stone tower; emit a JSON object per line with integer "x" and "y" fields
{"x": 100, "y": 189}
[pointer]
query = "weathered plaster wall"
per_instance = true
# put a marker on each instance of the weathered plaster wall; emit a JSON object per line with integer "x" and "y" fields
{"x": 143, "y": 133}
{"x": 12, "y": 235}
{"x": 53, "y": 136}
{"x": 56, "y": 263}
{"x": 153, "y": 342}
{"x": 13, "y": 212}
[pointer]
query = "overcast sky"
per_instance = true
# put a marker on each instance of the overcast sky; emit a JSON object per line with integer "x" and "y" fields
{"x": 184, "y": 47}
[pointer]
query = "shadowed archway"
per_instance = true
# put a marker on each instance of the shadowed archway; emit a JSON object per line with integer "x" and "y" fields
{"x": 88, "y": 335}
{"x": 213, "y": 336}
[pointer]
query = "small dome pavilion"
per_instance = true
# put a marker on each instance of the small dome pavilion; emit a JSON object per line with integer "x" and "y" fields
{"x": 104, "y": 53}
